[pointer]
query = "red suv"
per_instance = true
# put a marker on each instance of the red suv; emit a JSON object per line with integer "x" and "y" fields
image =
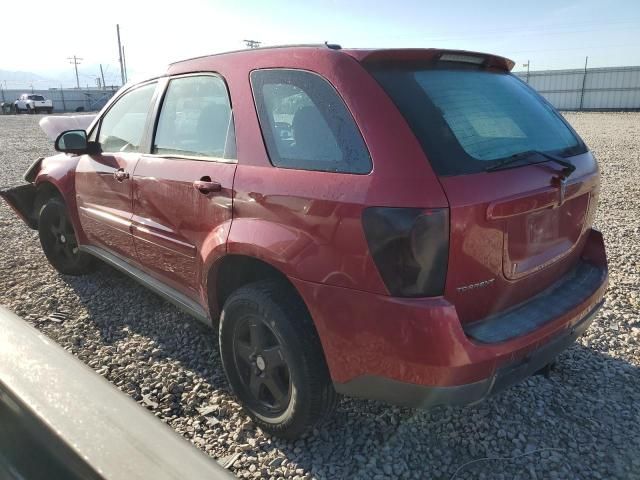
{"x": 412, "y": 226}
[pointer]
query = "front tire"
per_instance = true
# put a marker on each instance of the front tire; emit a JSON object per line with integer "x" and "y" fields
{"x": 273, "y": 359}
{"x": 59, "y": 241}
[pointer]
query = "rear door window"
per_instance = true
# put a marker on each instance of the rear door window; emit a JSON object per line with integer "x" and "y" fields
{"x": 305, "y": 124}
{"x": 469, "y": 119}
{"x": 195, "y": 119}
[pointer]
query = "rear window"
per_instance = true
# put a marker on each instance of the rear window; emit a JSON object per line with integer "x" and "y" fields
{"x": 468, "y": 119}
{"x": 39, "y": 98}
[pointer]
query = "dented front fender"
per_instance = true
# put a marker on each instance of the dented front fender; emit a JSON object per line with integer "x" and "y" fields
{"x": 57, "y": 172}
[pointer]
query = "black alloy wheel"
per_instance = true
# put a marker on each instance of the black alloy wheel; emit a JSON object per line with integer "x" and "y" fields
{"x": 59, "y": 241}
{"x": 261, "y": 365}
{"x": 273, "y": 358}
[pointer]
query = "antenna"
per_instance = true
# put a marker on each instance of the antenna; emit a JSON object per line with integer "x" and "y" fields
{"x": 252, "y": 43}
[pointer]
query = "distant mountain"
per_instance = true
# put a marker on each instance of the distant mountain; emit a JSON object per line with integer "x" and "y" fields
{"x": 18, "y": 79}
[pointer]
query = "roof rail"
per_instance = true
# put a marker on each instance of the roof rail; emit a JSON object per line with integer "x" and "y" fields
{"x": 332, "y": 46}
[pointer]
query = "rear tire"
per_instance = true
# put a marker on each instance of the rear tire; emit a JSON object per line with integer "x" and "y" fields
{"x": 59, "y": 241}
{"x": 273, "y": 359}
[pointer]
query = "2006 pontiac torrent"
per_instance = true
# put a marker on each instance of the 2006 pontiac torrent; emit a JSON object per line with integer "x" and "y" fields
{"x": 411, "y": 226}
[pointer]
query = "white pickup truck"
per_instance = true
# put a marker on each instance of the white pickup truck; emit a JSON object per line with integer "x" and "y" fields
{"x": 31, "y": 103}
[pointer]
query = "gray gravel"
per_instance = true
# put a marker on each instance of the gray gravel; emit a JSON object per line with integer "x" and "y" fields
{"x": 583, "y": 422}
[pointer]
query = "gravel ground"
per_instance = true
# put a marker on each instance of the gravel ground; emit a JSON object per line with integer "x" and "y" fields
{"x": 583, "y": 422}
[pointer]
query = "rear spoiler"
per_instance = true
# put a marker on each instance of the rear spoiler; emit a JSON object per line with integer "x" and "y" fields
{"x": 61, "y": 420}
{"x": 487, "y": 60}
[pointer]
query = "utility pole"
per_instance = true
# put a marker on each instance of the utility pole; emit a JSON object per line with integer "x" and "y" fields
{"x": 102, "y": 75}
{"x": 584, "y": 81}
{"x": 124, "y": 64}
{"x": 527, "y": 65}
{"x": 64, "y": 105}
{"x": 252, "y": 43}
{"x": 75, "y": 61}
{"x": 120, "y": 55}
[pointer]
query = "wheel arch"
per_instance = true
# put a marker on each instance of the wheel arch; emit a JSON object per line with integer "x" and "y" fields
{"x": 234, "y": 271}
{"x": 45, "y": 190}
{"x": 56, "y": 178}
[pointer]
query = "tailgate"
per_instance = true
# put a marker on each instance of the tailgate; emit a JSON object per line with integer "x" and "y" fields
{"x": 521, "y": 185}
{"x": 515, "y": 232}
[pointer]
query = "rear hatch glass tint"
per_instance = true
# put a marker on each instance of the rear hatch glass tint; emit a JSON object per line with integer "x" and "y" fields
{"x": 468, "y": 119}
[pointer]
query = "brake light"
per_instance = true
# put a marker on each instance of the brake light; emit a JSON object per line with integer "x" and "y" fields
{"x": 410, "y": 247}
{"x": 457, "y": 57}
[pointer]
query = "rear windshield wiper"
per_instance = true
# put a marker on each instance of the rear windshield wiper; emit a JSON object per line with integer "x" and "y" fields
{"x": 568, "y": 169}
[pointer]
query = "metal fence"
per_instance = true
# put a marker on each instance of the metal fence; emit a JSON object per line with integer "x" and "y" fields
{"x": 67, "y": 99}
{"x": 615, "y": 88}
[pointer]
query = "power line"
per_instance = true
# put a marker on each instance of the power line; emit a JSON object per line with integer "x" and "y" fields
{"x": 573, "y": 48}
{"x": 75, "y": 61}
{"x": 543, "y": 29}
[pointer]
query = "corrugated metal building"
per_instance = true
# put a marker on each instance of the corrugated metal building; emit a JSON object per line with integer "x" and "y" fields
{"x": 66, "y": 100}
{"x": 615, "y": 88}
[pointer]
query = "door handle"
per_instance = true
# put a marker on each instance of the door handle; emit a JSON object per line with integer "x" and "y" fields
{"x": 206, "y": 186}
{"x": 120, "y": 175}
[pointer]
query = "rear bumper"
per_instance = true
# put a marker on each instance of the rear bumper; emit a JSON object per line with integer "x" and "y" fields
{"x": 415, "y": 351}
{"x": 422, "y": 396}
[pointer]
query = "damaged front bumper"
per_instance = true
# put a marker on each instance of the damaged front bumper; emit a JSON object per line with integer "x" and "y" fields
{"x": 21, "y": 199}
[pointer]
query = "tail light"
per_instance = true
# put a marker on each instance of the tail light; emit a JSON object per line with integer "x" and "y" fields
{"x": 410, "y": 247}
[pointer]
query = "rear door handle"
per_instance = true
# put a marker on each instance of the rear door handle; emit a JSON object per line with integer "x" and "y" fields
{"x": 205, "y": 186}
{"x": 120, "y": 175}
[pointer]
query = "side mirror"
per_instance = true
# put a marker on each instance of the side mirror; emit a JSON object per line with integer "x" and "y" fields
{"x": 72, "y": 141}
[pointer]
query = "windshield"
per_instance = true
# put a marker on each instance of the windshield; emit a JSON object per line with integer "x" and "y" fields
{"x": 469, "y": 119}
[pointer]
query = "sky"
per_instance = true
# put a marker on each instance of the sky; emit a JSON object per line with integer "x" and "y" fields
{"x": 548, "y": 34}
